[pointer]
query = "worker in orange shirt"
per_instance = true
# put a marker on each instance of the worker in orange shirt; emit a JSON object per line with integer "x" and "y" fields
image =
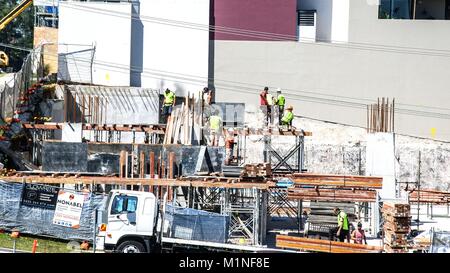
{"x": 229, "y": 146}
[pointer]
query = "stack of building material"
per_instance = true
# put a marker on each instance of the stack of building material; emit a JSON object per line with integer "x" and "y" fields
{"x": 429, "y": 196}
{"x": 315, "y": 245}
{"x": 321, "y": 219}
{"x": 325, "y": 187}
{"x": 397, "y": 221}
{"x": 184, "y": 124}
{"x": 257, "y": 170}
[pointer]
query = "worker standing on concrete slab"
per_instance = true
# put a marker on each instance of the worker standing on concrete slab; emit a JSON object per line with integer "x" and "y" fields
{"x": 280, "y": 103}
{"x": 168, "y": 103}
{"x": 264, "y": 104}
{"x": 343, "y": 225}
{"x": 215, "y": 122}
{"x": 288, "y": 117}
{"x": 229, "y": 146}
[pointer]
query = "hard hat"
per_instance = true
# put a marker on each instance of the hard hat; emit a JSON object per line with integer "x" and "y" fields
{"x": 290, "y": 107}
{"x": 167, "y": 90}
{"x": 278, "y": 89}
{"x": 230, "y": 130}
{"x": 266, "y": 88}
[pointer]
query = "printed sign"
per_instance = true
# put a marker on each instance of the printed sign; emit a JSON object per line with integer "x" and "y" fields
{"x": 68, "y": 209}
{"x": 41, "y": 196}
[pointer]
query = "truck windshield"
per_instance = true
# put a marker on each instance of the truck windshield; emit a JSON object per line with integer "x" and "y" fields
{"x": 124, "y": 203}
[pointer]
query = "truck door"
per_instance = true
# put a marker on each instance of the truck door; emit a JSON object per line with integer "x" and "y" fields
{"x": 146, "y": 221}
{"x": 122, "y": 215}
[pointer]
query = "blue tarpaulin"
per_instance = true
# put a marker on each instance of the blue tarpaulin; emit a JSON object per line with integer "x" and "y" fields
{"x": 192, "y": 224}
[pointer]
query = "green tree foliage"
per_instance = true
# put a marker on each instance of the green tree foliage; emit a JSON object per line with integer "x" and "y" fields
{"x": 19, "y": 32}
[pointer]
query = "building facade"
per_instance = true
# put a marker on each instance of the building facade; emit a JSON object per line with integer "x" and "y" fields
{"x": 330, "y": 57}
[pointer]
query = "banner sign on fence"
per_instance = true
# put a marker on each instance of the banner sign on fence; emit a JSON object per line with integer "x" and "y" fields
{"x": 68, "y": 209}
{"x": 41, "y": 196}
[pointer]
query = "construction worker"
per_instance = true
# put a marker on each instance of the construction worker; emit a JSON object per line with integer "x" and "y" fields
{"x": 288, "y": 117}
{"x": 264, "y": 104}
{"x": 358, "y": 235}
{"x": 280, "y": 103}
{"x": 215, "y": 122}
{"x": 207, "y": 96}
{"x": 168, "y": 103}
{"x": 229, "y": 146}
{"x": 343, "y": 225}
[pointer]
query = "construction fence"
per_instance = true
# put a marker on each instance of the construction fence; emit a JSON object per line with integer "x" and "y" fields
{"x": 32, "y": 69}
{"x": 24, "y": 209}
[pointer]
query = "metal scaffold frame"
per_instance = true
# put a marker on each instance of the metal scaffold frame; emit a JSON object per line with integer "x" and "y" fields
{"x": 247, "y": 209}
{"x": 297, "y": 150}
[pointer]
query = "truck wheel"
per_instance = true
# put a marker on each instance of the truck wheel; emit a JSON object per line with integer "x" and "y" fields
{"x": 131, "y": 247}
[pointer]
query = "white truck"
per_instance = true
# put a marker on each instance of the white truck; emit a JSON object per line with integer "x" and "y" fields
{"x": 132, "y": 221}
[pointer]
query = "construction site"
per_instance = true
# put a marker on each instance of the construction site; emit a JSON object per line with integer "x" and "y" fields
{"x": 112, "y": 168}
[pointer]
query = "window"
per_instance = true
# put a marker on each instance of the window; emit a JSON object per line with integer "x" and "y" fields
{"x": 124, "y": 203}
{"x": 414, "y": 9}
{"x": 395, "y": 9}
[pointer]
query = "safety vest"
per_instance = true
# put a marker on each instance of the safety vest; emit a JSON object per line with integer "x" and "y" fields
{"x": 169, "y": 98}
{"x": 281, "y": 100}
{"x": 269, "y": 98}
{"x": 214, "y": 122}
{"x": 342, "y": 218}
{"x": 287, "y": 118}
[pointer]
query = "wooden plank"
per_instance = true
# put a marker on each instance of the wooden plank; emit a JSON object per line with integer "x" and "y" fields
{"x": 316, "y": 245}
{"x": 152, "y": 164}
{"x": 142, "y": 165}
{"x": 122, "y": 164}
{"x": 332, "y": 194}
{"x": 171, "y": 172}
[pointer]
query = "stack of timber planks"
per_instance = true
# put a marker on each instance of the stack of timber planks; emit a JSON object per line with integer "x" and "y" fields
{"x": 315, "y": 245}
{"x": 185, "y": 123}
{"x": 396, "y": 227}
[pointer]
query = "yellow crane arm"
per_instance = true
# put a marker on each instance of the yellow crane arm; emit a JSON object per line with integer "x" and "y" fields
{"x": 15, "y": 12}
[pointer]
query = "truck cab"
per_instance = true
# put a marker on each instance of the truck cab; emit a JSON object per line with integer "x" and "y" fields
{"x": 128, "y": 221}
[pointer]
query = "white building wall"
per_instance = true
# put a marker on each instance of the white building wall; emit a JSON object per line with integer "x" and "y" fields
{"x": 176, "y": 53}
{"x": 107, "y": 27}
{"x": 340, "y": 23}
{"x": 334, "y": 82}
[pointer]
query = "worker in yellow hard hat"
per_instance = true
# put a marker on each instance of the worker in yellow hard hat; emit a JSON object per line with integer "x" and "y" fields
{"x": 168, "y": 103}
{"x": 288, "y": 117}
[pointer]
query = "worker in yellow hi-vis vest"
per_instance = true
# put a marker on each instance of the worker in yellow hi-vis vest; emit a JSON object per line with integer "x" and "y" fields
{"x": 288, "y": 117}
{"x": 343, "y": 229}
{"x": 215, "y": 123}
{"x": 168, "y": 104}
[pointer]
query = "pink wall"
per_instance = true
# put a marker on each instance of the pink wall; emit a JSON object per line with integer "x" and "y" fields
{"x": 274, "y": 16}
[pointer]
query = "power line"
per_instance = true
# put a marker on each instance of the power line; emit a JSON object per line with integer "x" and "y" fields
{"x": 193, "y": 79}
{"x": 267, "y": 35}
